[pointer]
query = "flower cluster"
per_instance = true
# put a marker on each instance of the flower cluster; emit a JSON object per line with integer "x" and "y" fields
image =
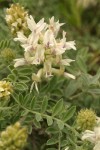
{"x": 42, "y": 47}
{"x": 13, "y": 138}
{"x": 86, "y": 119}
{"x": 16, "y": 18}
{"x": 7, "y": 54}
{"x": 5, "y": 88}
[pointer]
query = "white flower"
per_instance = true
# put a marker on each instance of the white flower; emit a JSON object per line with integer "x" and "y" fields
{"x": 93, "y": 137}
{"x": 44, "y": 49}
{"x": 48, "y": 39}
{"x": 37, "y": 28}
{"x": 66, "y": 62}
{"x": 69, "y": 75}
{"x": 19, "y": 62}
{"x": 29, "y": 43}
{"x": 61, "y": 46}
{"x": 48, "y": 68}
{"x": 54, "y": 26}
{"x": 67, "y": 148}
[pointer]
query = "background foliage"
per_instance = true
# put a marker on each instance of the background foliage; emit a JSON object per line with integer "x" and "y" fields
{"x": 51, "y": 114}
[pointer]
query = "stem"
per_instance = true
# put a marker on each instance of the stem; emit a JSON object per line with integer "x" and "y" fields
{"x": 45, "y": 116}
{"x": 59, "y": 140}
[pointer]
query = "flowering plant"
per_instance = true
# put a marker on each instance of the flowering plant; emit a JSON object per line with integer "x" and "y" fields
{"x": 44, "y": 84}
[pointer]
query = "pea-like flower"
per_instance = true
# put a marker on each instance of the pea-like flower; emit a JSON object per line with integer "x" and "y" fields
{"x": 93, "y": 137}
{"x": 43, "y": 48}
{"x": 5, "y": 88}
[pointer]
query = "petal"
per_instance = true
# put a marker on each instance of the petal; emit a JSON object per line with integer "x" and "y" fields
{"x": 19, "y": 62}
{"x": 21, "y": 37}
{"x": 97, "y": 146}
{"x": 69, "y": 75}
{"x": 66, "y": 62}
{"x": 31, "y": 23}
{"x": 70, "y": 45}
{"x": 89, "y": 135}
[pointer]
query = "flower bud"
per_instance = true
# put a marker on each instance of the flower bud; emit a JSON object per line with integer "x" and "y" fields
{"x": 7, "y": 55}
{"x": 13, "y": 138}
{"x": 5, "y": 88}
{"x": 16, "y": 18}
{"x": 86, "y": 119}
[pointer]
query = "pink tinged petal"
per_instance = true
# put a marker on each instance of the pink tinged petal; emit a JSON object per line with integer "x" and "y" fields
{"x": 69, "y": 75}
{"x": 49, "y": 38}
{"x": 19, "y": 62}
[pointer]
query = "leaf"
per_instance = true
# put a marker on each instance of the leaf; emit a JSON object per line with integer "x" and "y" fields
{"x": 44, "y": 105}
{"x": 58, "y": 107}
{"x": 27, "y": 99}
{"x": 24, "y": 79}
{"x": 32, "y": 103}
{"x": 21, "y": 86}
{"x": 11, "y": 77}
{"x": 69, "y": 114}
{"x": 38, "y": 117}
{"x": 4, "y": 108}
{"x": 24, "y": 113}
{"x": 81, "y": 64}
{"x": 15, "y": 72}
{"x": 36, "y": 123}
{"x": 94, "y": 91}
{"x": 4, "y": 44}
{"x": 52, "y": 130}
{"x": 60, "y": 124}
{"x": 64, "y": 143}
{"x": 51, "y": 149}
{"x": 49, "y": 120}
{"x": 21, "y": 98}
{"x": 52, "y": 141}
{"x": 71, "y": 88}
{"x": 24, "y": 71}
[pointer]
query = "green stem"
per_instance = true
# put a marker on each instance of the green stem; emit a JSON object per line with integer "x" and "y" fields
{"x": 45, "y": 116}
{"x": 59, "y": 145}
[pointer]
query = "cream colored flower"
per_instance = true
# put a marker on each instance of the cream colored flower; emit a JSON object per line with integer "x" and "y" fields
{"x": 93, "y": 137}
{"x": 5, "y": 88}
{"x": 16, "y": 18}
{"x": 54, "y": 26}
{"x": 36, "y": 27}
{"x": 29, "y": 43}
{"x": 44, "y": 49}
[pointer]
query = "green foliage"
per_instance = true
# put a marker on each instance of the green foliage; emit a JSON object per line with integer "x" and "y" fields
{"x": 50, "y": 115}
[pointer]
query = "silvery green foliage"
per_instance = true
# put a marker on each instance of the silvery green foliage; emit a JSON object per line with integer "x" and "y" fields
{"x": 50, "y": 115}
